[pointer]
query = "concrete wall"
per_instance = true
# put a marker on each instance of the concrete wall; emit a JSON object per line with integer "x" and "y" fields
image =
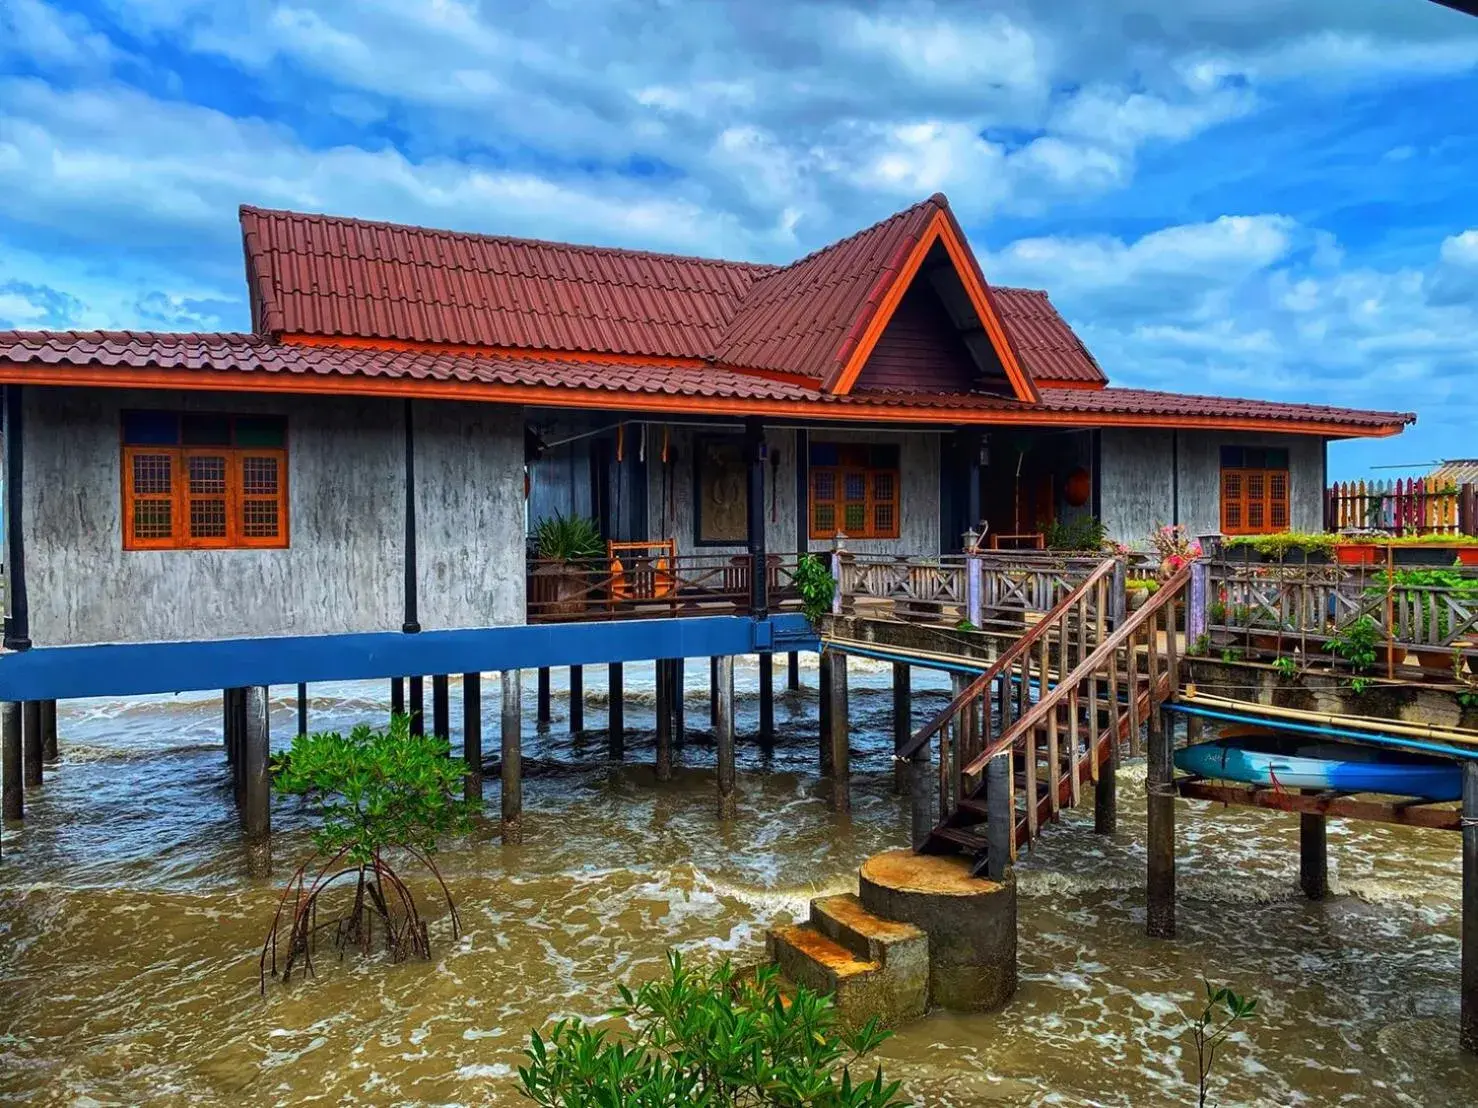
{"x": 344, "y": 570}
{"x": 670, "y": 513}
{"x": 1138, "y": 479}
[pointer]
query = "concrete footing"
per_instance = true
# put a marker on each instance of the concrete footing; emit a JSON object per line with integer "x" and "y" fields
{"x": 970, "y": 921}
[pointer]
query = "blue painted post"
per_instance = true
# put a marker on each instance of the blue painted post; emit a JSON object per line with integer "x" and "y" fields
{"x": 1196, "y": 607}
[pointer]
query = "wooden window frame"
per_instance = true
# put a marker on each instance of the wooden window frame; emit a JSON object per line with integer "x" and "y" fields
{"x": 1243, "y": 479}
{"x": 180, "y": 496}
{"x": 870, "y": 500}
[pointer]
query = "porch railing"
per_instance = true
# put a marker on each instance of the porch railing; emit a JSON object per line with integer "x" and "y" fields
{"x": 653, "y": 585}
{"x": 1262, "y": 610}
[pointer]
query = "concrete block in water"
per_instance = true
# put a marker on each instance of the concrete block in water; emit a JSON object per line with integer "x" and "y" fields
{"x": 970, "y": 922}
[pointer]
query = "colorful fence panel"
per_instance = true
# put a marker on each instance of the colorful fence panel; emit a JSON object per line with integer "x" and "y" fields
{"x": 1404, "y": 506}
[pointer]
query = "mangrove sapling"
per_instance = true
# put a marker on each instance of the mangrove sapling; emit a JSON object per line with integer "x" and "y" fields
{"x": 709, "y": 1037}
{"x": 1224, "y": 1009}
{"x": 379, "y": 793}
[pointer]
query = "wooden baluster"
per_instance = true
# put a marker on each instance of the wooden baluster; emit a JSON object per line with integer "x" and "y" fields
{"x": 1115, "y": 713}
{"x": 1011, "y": 787}
{"x": 1093, "y": 743}
{"x": 1083, "y": 648}
{"x": 1072, "y": 742}
{"x": 1031, "y": 784}
{"x": 1172, "y": 651}
{"x": 1044, "y": 663}
{"x": 1152, "y": 655}
{"x": 1024, "y": 689}
{"x": 1054, "y": 762}
{"x": 944, "y": 807}
{"x": 1005, "y": 691}
{"x": 1131, "y": 669}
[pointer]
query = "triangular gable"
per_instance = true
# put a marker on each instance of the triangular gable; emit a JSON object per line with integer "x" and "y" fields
{"x": 941, "y": 229}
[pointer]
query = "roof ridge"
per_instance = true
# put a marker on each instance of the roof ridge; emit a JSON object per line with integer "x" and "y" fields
{"x": 937, "y": 199}
{"x": 445, "y": 232}
{"x": 95, "y": 335}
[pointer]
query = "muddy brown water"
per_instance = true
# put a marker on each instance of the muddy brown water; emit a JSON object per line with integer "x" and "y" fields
{"x": 129, "y": 935}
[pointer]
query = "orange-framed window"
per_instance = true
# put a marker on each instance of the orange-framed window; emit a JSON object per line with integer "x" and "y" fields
{"x": 1254, "y": 490}
{"x": 202, "y": 480}
{"x": 854, "y": 489}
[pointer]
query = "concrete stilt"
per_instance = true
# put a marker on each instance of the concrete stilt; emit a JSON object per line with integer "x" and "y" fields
{"x": 48, "y": 731}
{"x": 713, "y": 692}
{"x": 841, "y": 755}
{"x": 577, "y": 699}
{"x": 418, "y": 706}
{"x": 544, "y": 708}
{"x": 902, "y": 722}
{"x": 1000, "y": 817}
{"x": 824, "y": 710}
{"x": 793, "y": 671}
{"x": 1160, "y": 842}
{"x": 616, "y": 711}
{"x": 728, "y": 804}
{"x": 12, "y": 803}
{"x": 679, "y": 700}
{"x": 664, "y": 720}
{"x": 397, "y": 696}
{"x": 512, "y": 735}
{"x": 1313, "y": 856}
{"x": 31, "y": 743}
{"x": 441, "y": 709}
{"x": 256, "y": 808}
{"x": 1106, "y": 792}
{"x": 472, "y": 736}
{"x": 920, "y": 795}
{"x": 1468, "y": 1020}
{"x": 767, "y": 697}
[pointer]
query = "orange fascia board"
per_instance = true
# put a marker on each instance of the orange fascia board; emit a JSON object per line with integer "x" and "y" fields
{"x": 939, "y": 229}
{"x": 546, "y": 396}
{"x": 1087, "y": 386}
{"x": 532, "y": 354}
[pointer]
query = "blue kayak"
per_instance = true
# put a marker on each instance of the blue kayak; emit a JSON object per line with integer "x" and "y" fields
{"x": 1289, "y": 762}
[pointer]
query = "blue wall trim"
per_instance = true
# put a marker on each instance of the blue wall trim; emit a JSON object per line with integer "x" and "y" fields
{"x": 65, "y": 672}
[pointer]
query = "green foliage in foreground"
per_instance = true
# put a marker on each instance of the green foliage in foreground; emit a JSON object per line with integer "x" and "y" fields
{"x": 376, "y": 789}
{"x": 813, "y": 580}
{"x": 708, "y": 1039}
{"x": 1224, "y": 1009}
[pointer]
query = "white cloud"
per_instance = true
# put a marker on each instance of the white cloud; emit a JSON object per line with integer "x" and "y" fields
{"x": 37, "y": 30}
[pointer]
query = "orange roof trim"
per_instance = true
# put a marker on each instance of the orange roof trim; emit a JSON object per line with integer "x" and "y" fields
{"x": 940, "y": 229}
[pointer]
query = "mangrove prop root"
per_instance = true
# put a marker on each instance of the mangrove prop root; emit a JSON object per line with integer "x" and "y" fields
{"x": 379, "y": 894}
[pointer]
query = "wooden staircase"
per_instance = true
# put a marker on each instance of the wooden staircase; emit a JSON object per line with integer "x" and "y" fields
{"x": 1008, "y": 762}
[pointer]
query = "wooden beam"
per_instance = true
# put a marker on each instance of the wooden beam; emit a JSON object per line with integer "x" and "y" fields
{"x": 1440, "y": 819}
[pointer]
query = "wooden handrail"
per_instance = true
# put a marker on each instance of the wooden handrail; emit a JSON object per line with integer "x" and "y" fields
{"x": 1019, "y": 647}
{"x": 1087, "y": 668}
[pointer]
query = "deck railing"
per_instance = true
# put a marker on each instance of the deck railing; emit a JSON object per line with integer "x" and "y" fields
{"x": 653, "y": 585}
{"x": 999, "y": 587}
{"x": 1262, "y": 610}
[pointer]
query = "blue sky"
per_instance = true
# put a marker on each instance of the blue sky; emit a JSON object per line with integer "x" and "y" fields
{"x": 1258, "y": 198}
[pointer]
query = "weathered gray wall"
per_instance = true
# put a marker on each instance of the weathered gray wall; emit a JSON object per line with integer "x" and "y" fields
{"x": 919, "y": 495}
{"x": 1138, "y": 484}
{"x": 344, "y": 569}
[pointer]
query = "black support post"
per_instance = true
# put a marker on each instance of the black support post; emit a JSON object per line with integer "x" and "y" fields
{"x": 841, "y": 757}
{"x": 1160, "y": 844}
{"x": 793, "y": 671}
{"x": 577, "y": 699}
{"x": 664, "y": 720}
{"x": 48, "y": 731}
{"x": 1313, "y": 855}
{"x": 441, "y": 709}
{"x": 512, "y": 766}
{"x": 824, "y": 707}
{"x": 543, "y": 708}
{"x": 472, "y": 736}
{"x": 728, "y": 804}
{"x": 12, "y": 802}
{"x": 713, "y": 692}
{"x": 418, "y": 706}
{"x": 18, "y": 623}
{"x": 616, "y": 711}
{"x": 767, "y": 696}
{"x": 679, "y": 700}
{"x": 902, "y": 722}
{"x": 1468, "y": 1035}
{"x": 31, "y": 739}
{"x": 1000, "y": 817}
{"x": 397, "y": 696}
{"x": 302, "y": 708}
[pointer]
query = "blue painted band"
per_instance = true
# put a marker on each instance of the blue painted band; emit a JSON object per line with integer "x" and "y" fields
{"x": 1374, "y": 737}
{"x": 962, "y": 665}
{"x": 136, "y": 669}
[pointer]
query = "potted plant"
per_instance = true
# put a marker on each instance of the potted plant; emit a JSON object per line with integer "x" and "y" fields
{"x": 1139, "y": 590}
{"x": 1357, "y": 550}
{"x": 565, "y": 547}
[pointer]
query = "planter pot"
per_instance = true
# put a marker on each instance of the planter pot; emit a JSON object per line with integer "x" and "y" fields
{"x": 1424, "y": 555}
{"x": 564, "y": 592}
{"x": 1434, "y": 659}
{"x": 1467, "y": 555}
{"x": 1266, "y": 641}
{"x": 1138, "y": 598}
{"x": 1357, "y": 554}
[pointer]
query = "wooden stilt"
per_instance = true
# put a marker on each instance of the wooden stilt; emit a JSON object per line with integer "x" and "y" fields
{"x": 577, "y": 699}
{"x": 544, "y": 709}
{"x": 1313, "y": 855}
{"x": 713, "y": 692}
{"x": 48, "y": 731}
{"x": 767, "y": 697}
{"x": 616, "y": 711}
{"x": 12, "y": 803}
{"x": 825, "y": 710}
{"x": 31, "y": 743}
{"x": 664, "y": 720}
{"x": 512, "y": 737}
{"x": 1106, "y": 788}
{"x": 678, "y": 686}
{"x": 418, "y": 706}
{"x": 841, "y": 749}
{"x": 921, "y": 812}
{"x": 728, "y": 804}
{"x": 793, "y": 671}
{"x": 902, "y": 722}
{"x": 1468, "y": 1020}
{"x": 472, "y": 736}
{"x": 1160, "y": 842}
{"x": 397, "y": 696}
{"x": 256, "y": 808}
{"x": 441, "y": 710}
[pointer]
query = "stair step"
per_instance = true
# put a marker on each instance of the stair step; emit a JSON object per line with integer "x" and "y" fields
{"x": 960, "y": 838}
{"x": 972, "y": 807}
{"x": 872, "y": 938}
{"x": 809, "y": 958}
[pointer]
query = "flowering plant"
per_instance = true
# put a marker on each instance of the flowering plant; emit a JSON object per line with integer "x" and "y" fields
{"x": 1175, "y": 547}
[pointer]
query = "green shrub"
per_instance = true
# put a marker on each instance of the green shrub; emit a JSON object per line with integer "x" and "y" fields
{"x": 1279, "y": 545}
{"x": 1224, "y": 1009}
{"x": 562, "y": 538}
{"x": 1356, "y": 643}
{"x": 1083, "y": 533}
{"x": 708, "y": 1038}
{"x": 813, "y": 580}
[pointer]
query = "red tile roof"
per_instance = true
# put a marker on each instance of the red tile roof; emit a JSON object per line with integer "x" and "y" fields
{"x": 129, "y": 352}
{"x": 348, "y": 278}
{"x": 1045, "y": 343}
